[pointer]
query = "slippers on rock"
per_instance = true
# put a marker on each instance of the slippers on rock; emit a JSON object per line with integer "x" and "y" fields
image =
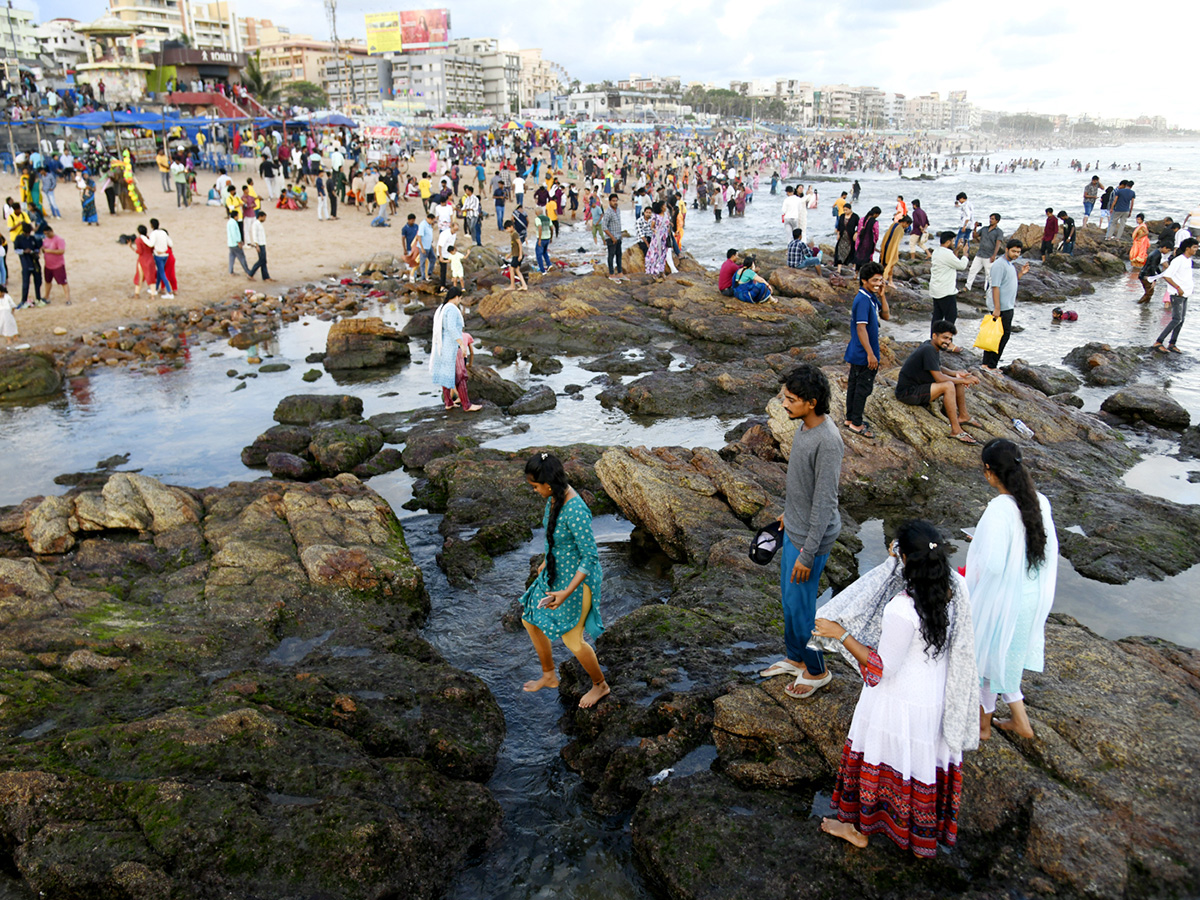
{"x": 803, "y": 688}
{"x": 1173, "y": 349}
{"x": 963, "y": 438}
{"x": 863, "y": 432}
{"x": 780, "y": 667}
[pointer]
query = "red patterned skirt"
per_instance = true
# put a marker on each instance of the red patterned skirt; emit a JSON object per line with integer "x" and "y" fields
{"x": 916, "y": 816}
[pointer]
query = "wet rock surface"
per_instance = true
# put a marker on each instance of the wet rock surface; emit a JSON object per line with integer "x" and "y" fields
{"x": 27, "y": 376}
{"x": 1105, "y": 365}
{"x": 223, "y": 693}
{"x": 364, "y": 344}
{"x": 1147, "y": 403}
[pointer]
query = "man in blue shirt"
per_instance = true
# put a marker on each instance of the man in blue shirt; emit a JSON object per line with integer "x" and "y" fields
{"x": 1122, "y": 207}
{"x": 870, "y": 305}
{"x": 1004, "y": 297}
{"x": 409, "y": 233}
{"x": 428, "y": 251}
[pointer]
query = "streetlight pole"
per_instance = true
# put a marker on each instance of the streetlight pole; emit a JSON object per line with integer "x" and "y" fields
{"x": 331, "y": 12}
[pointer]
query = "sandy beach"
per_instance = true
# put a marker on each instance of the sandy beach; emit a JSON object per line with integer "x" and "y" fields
{"x": 100, "y": 270}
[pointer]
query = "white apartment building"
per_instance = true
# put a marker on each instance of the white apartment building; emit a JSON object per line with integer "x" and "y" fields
{"x": 501, "y": 72}
{"x": 17, "y": 24}
{"x": 209, "y": 26}
{"x": 59, "y": 40}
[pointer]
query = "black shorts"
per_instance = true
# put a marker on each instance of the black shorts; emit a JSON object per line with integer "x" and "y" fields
{"x": 916, "y": 395}
{"x": 514, "y": 263}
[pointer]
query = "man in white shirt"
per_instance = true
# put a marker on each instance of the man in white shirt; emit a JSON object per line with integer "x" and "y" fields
{"x": 793, "y": 209}
{"x": 445, "y": 215}
{"x": 444, "y": 243}
{"x": 944, "y": 266}
{"x": 1179, "y": 279}
{"x": 161, "y": 243}
{"x": 471, "y": 211}
{"x": 256, "y": 236}
{"x": 223, "y": 182}
{"x": 966, "y": 219}
{"x": 518, "y": 189}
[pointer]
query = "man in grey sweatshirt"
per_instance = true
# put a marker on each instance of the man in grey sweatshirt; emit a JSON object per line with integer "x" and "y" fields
{"x": 811, "y": 522}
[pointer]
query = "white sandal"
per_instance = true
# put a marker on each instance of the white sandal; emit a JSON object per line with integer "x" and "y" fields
{"x": 813, "y": 686}
{"x": 780, "y": 667}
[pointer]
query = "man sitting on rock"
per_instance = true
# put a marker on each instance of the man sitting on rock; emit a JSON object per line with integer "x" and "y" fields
{"x": 922, "y": 380}
{"x": 728, "y": 270}
{"x": 800, "y": 255}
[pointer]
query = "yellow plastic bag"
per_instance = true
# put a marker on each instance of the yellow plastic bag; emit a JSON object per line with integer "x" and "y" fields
{"x": 991, "y": 330}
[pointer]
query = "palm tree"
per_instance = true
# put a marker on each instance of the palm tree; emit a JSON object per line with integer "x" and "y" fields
{"x": 263, "y": 88}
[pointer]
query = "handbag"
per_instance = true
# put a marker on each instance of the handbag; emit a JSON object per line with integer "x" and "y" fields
{"x": 991, "y": 330}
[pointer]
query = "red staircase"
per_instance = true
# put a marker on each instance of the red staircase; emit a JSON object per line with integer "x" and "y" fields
{"x": 213, "y": 99}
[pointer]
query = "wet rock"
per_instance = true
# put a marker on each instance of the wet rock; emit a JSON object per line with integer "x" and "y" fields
{"x": 340, "y": 446}
{"x": 629, "y": 362}
{"x": 486, "y": 384}
{"x": 544, "y": 365}
{"x": 268, "y": 368}
{"x": 1068, "y": 400}
{"x": 386, "y": 460}
{"x": 276, "y": 439}
{"x": 1103, "y": 364}
{"x": 305, "y": 409}
{"x": 363, "y": 344}
{"x": 244, "y": 340}
{"x": 420, "y": 323}
{"x": 535, "y": 400}
{"x": 1050, "y": 380}
{"x": 1148, "y": 403}
{"x": 27, "y": 376}
{"x": 289, "y": 465}
{"x": 434, "y": 432}
{"x": 1189, "y": 442}
{"x": 312, "y": 375}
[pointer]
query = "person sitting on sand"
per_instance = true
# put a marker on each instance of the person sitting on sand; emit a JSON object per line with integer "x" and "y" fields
{"x": 564, "y": 598}
{"x": 922, "y": 380}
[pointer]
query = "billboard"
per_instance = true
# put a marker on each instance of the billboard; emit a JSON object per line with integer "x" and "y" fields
{"x": 383, "y": 33}
{"x": 424, "y": 29}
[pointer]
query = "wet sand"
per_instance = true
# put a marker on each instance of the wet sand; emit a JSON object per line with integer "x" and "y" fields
{"x": 100, "y": 271}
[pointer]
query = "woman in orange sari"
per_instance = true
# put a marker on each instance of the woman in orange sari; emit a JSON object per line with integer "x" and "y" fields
{"x": 1141, "y": 242}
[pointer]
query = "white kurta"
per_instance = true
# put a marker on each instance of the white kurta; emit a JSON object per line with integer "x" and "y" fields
{"x": 8, "y": 322}
{"x": 1009, "y": 602}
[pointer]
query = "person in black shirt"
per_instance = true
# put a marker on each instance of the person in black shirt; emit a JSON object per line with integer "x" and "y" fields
{"x": 29, "y": 250}
{"x": 1068, "y": 233}
{"x": 922, "y": 379}
{"x": 1152, "y": 268}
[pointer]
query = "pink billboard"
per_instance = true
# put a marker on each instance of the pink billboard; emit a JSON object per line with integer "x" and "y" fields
{"x": 423, "y": 29}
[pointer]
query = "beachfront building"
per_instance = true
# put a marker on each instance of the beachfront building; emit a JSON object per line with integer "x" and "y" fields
{"x": 18, "y": 36}
{"x": 209, "y": 26}
{"x": 539, "y": 76}
{"x": 63, "y": 46}
{"x": 653, "y": 83}
{"x": 501, "y": 72}
{"x": 290, "y": 58}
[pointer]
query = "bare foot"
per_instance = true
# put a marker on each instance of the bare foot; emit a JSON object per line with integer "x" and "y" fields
{"x": 845, "y": 831}
{"x": 548, "y": 680}
{"x": 985, "y": 732}
{"x": 594, "y": 696}
{"x": 1009, "y": 726}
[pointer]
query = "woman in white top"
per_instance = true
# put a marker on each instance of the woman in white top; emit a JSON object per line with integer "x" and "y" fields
{"x": 901, "y": 770}
{"x": 1178, "y": 276}
{"x": 1012, "y": 566}
{"x": 8, "y": 322}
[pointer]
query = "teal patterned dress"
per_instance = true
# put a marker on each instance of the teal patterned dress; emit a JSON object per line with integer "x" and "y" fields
{"x": 574, "y": 551}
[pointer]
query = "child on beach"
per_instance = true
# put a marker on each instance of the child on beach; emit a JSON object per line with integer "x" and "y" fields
{"x": 456, "y": 265}
{"x": 8, "y": 322}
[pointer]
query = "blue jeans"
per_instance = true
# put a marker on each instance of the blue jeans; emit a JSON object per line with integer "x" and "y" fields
{"x": 160, "y": 274}
{"x": 499, "y": 215}
{"x": 521, "y": 199}
{"x": 428, "y": 259}
{"x": 964, "y": 235}
{"x": 800, "y": 607}
{"x": 542, "y": 253}
{"x": 53, "y": 205}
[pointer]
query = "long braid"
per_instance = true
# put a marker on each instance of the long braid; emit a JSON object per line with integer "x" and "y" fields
{"x": 1002, "y": 457}
{"x": 546, "y": 468}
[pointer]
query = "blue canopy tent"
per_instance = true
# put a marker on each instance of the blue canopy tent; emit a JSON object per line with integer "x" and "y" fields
{"x": 333, "y": 119}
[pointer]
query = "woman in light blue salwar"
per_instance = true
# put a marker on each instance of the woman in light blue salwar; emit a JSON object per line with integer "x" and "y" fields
{"x": 445, "y": 359}
{"x": 1012, "y": 566}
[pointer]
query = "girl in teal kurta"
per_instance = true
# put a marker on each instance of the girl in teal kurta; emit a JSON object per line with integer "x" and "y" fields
{"x": 564, "y": 598}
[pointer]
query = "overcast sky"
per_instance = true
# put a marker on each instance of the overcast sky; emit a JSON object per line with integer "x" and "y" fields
{"x": 1052, "y": 56}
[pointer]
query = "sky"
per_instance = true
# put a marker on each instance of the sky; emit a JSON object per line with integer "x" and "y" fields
{"x": 1054, "y": 56}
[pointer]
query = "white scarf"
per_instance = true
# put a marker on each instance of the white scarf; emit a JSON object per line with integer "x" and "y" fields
{"x": 437, "y": 331}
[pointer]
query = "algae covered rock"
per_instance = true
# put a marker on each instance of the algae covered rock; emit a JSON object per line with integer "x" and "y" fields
{"x": 27, "y": 376}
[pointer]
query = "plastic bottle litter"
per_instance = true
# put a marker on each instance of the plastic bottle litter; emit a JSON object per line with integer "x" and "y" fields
{"x": 1022, "y": 429}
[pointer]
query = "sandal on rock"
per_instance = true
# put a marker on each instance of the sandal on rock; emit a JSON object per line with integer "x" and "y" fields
{"x": 1160, "y": 348}
{"x": 803, "y": 688}
{"x": 963, "y": 438}
{"x": 781, "y": 667}
{"x": 861, "y": 432}
{"x": 1174, "y": 349}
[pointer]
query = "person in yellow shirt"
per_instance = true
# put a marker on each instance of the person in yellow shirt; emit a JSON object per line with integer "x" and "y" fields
{"x": 426, "y": 190}
{"x": 381, "y": 197}
{"x": 233, "y": 203}
{"x": 17, "y": 219}
{"x": 253, "y": 193}
{"x": 164, "y": 170}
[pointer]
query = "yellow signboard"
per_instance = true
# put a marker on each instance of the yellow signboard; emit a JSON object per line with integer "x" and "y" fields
{"x": 383, "y": 33}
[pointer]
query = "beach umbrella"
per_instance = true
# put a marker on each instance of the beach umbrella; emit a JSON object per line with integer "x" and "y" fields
{"x": 529, "y": 124}
{"x": 450, "y": 126}
{"x": 510, "y": 126}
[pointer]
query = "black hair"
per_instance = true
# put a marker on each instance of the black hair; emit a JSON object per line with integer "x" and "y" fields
{"x": 873, "y": 211}
{"x": 916, "y": 204}
{"x": 610, "y": 196}
{"x": 927, "y": 580}
{"x": 154, "y": 223}
{"x": 731, "y": 253}
{"x": 657, "y": 207}
{"x": 508, "y": 223}
{"x": 943, "y": 326}
{"x": 808, "y": 382}
{"x": 1049, "y": 210}
{"x": 947, "y": 236}
{"x": 999, "y": 218}
{"x": 869, "y": 271}
{"x": 546, "y": 468}
{"x": 1185, "y": 244}
{"x": 1003, "y": 457}
{"x": 1014, "y": 242}
{"x": 141, "y": 229}
{"x": 961, "y": 196}
{"x": 796, "y": 232}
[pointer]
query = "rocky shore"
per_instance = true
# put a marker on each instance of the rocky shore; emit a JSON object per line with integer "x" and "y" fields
{"x": 224, "y": 692}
